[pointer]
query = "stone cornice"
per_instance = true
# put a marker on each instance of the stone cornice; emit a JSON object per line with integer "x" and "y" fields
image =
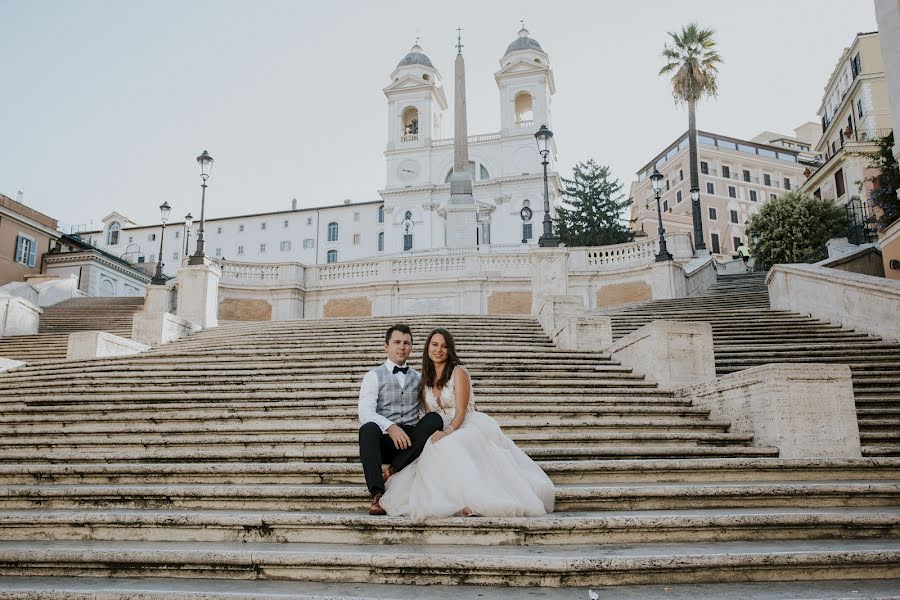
{"x": 92, "y": 256}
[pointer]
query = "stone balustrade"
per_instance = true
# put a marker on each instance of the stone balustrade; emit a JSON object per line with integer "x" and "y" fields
{"x": 261, "y": 274}
{"x": 617, "y": 256}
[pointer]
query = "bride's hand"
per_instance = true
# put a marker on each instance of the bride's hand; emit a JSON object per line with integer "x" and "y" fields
{"x": 437, "y": 436}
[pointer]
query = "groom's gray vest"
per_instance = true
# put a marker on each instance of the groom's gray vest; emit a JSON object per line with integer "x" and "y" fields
{"x": 399, "y": 405}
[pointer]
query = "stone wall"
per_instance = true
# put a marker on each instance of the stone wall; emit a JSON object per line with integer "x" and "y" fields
{"x": 359, "y": 306}
{"x": 509, "y": 303}
{"x": 235, "y": 309}
{"x": 623, "y": 293}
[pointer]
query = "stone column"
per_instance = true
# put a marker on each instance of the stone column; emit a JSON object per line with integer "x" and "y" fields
{"x": 157, "y": 299}
{"x": 549, "y": 275}
{"x": 198, "y": 294}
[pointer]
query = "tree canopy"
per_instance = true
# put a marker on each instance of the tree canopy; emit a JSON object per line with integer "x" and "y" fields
{"x": 887, "y": 182}
{"x": 794, "y": 227}
{"x": 590, "y": 213}
{"x": 693, "y": 63}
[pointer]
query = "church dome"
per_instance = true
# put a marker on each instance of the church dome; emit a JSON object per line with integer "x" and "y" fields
{"x": 523, "y": 42}
{"x": 415, "y": 57}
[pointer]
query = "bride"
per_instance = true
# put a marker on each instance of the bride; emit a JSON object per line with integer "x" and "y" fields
{"x": 471, "y": 467}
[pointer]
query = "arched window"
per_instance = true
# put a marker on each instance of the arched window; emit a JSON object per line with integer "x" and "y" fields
{"x": 381, "y": 241}
{"x": 410, "y": 122}
{"x": 381, "y": 214}
{"x": 524, "y": 109}
{"x": 484, "y": 173}
{"x": 112, "y": 235}
{"x": 331, "y": 256}
{"x": 332, "y": 232}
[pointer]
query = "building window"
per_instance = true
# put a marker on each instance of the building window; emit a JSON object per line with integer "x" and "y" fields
{"x": 859, "y": 110}
{"x": 839, "y": 182}
{"x": 737, "y": 243}
{"x": 665, "y": 206}
{"x": 356, "y": 239}
{"x": 262, "y": 248}
{"x": 527, "y": 232}
{"x": 484, "y": 172}
{"x": 332, "y": 232}
{"x": 112, "y": 236}
{"x": 218, "y": 252}
{"x": 285, "y": 246}
{"x": 240, "y": 249}
{"x": 732, "y": 191}
{"x": 331, "y": 256}
{"x": 818, "y": 194}
{"x": 130, "y": 239}
{"x": 704, "y": 168}
{"x": 152, "y": 258}
{"x": 712, "y": 213}
{"x": 714, "y": 238}
{"x": 381, "y": 241}
{"x": 772, "y": 196}
{"x": 26, "y": 250}
{"x": 240, "y": 227}
{"x": 710, "y": 188}
{"x": 175, "y": 256}
{"x": 407, "y": 241}
{"x": 309, "y": 220}
{"x": 309, "y": 243}
{"x": 356, "y": 216}
{"x": 218, "y": 230}
{"x": 677, "y": 196}
{"x": 286, "y": 223}
{"x": 746, "y": 175}
{"x": 787, "y": 183}
{"x": 734, "y": 216}
{"x": 667, "y": 185}
{"x": 381, "y": 214}
{"x": 753, "y": 196}
{"x": 152, "y": 237}
{"x": 262, "y": 225}
{"x": 177, "y": 234}
{"x": 767, "y": 179}
{"x": 856, "y": 66}
{"x": 726, "y": 172}
{"x": 680, "y": 174}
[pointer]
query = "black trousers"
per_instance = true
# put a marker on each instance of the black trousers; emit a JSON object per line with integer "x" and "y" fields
{"x": 377, "y": 449}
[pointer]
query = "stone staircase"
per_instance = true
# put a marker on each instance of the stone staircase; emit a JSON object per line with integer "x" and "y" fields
{"x": 232, "y": 455}
{"x": 746, "y": 333}
{"x": 112, "y": 315}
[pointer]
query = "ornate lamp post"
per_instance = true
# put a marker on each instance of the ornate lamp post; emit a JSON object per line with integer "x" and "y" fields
{"x": 206, "y": 162}
{"x": 188, "y": 221}
{"x": 159, "y": 278}
{"x": 664, "y": 253}
{"x": 547, "y": 239}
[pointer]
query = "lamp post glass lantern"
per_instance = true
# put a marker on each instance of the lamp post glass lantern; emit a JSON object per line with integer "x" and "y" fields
{"x": 543, "y": 137}
{"x": 205, "y": 161}
{"x": 188, "y": 221}
{"x": 159, "y": 278}
{"x": 664, "y": 254}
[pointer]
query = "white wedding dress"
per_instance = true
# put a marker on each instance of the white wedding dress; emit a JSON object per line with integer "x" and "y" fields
{"x": 474, "y": 469}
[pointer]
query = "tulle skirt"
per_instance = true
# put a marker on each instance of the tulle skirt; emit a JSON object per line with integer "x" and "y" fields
{"x": 476, "y": 468}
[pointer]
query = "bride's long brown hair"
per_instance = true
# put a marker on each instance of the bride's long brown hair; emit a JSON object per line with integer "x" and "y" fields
{"x": 429, "y": 373}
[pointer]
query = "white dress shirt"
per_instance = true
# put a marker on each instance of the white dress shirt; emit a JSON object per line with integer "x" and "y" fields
{"x": 368, "y": 397}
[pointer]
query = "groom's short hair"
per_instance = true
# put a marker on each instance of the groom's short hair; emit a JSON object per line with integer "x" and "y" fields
{"x": 402, "y": 328}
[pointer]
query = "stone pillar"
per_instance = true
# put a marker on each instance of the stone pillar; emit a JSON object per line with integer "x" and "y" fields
{"x": 887, "y": 14}
{"x": 158, "y": 299}
{"x": 18, "y": 316}
{"x": 674, "y": 354}
{"x": 556, "y": 311}
{"x": 156, "y": 329}
{"x": 549, "y": 275}
{"x": 589, "y": 333}
{"x": 198, "y": 294}
{"x": 804, "y": 410}
{"x": 667, "y": 280}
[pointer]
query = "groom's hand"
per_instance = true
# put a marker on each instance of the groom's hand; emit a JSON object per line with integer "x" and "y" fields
{"x": 399, "y": 437}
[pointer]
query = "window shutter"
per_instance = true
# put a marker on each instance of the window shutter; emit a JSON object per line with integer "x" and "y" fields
{"x": 19, "y": 248}
{"x": 32, "y": 254}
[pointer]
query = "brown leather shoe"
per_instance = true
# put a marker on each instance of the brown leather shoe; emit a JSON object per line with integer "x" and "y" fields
{"x": 376, "y": 509}
{"x": 388, "y": 473}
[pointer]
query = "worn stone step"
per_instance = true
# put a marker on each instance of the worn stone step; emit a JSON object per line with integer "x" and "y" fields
{"x": 589, "y": 527}
{"x": 499, "y": 565}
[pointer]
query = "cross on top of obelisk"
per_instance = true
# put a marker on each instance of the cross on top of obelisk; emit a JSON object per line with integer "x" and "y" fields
{"x": 459, "y": 44}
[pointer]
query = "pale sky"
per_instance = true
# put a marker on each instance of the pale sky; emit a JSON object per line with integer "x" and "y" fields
{"x": 107, "y": 103}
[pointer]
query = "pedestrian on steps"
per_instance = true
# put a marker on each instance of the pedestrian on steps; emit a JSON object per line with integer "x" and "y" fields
{"x": 744, "y": 251}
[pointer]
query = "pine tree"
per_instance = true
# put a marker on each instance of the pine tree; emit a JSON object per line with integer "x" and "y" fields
{"x": 590, "y": 213}
{"x": 887, "y": 182}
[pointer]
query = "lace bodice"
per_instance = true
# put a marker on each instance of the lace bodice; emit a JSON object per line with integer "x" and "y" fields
{"x": 446, "y": 407}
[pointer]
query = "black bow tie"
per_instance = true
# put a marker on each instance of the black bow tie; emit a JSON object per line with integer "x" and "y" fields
{"x": 401, "y": 369}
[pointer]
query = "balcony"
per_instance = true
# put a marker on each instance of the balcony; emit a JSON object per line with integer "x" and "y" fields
{"x": 409, "y": 138}
{"x": 524, "y": 124}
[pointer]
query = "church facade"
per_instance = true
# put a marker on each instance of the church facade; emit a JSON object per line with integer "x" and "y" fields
{"x": 412, "y": 215}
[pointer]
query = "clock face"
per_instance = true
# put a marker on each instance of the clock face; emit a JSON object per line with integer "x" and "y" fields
{"x": 526, "y": 213}
{"x": 408, "y": 169}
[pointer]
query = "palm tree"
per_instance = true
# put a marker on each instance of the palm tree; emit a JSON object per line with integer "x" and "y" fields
{"x": 693, "y": 63}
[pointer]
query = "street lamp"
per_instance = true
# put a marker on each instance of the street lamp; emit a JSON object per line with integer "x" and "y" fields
{"x": 188, "y": 221}
{"x": 755, "y": 237}
{"x": 159, "y": 278}
{"x": 547, "y": 239}
{"x": 699, "y": 244}
{"x": 664, "y": 253}
{"x": 206, "y": 162}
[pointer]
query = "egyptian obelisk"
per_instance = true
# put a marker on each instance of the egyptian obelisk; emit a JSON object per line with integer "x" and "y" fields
{"x": 460, "y": 210}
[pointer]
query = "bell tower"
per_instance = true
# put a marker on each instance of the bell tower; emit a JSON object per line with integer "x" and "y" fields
{"x": 525, "y": 81}
{"x": 416, "y": 102}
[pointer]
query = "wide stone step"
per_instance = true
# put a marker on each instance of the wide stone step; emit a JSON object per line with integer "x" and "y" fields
{"x": 569, "y": 497}
{"x": 612, "y": 527}
{"x": 656, "y": 471}
{"x": 577, "y": 565}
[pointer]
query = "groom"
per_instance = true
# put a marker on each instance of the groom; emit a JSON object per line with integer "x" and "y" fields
{"x": 389, "y": 409}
